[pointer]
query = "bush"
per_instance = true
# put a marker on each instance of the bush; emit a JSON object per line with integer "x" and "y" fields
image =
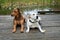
{"x": 5, "y": 11}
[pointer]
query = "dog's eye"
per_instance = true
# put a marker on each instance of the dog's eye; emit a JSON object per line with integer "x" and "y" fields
{"x": 33, "y": 14}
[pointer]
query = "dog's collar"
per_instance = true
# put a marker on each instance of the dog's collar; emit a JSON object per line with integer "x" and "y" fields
{"x": 32, "y": 22}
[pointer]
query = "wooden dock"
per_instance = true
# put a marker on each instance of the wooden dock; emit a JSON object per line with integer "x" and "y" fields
{"x": 51, "y": 23}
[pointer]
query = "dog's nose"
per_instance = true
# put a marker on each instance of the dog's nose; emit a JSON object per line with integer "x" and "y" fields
{"x": 11, "y": 15}
{"x": 33, "y": 14}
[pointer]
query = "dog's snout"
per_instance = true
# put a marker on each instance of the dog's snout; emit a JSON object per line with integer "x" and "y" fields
{"x": 33, "y": 14}
{"x": 11, "y": 15}
{"x": 29, "y": 17}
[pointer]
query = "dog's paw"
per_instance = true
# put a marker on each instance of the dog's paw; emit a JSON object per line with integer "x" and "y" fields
{"x": 27, "y": 31}
{"x": 22, "y": 31}
{"x": 43, "y": 31}
{"x": 13, "y": 31}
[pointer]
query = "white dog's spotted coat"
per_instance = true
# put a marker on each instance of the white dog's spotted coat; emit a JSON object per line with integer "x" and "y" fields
{"x": 32, "y": 21}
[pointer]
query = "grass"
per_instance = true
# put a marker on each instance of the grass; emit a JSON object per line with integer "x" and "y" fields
{"x": 5, "y": 12}
{"x": 20, "y": 3}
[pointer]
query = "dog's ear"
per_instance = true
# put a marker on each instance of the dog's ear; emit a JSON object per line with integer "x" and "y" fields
{"x": 36, "y": 17}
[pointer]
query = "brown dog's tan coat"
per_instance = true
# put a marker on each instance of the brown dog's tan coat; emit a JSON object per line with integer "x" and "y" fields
{"x": 18, "y": 19}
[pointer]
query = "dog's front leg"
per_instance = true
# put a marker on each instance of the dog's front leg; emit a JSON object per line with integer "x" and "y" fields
{"x": 14, "y": 28}
{"x": 27, "y": 26}
{"x": 22, "y": 28}
{"x": 40, "y": 29}
{"x": 27, "y": 29}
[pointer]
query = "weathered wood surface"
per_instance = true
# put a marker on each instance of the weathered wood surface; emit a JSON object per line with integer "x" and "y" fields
{"x": 51, "y": 23}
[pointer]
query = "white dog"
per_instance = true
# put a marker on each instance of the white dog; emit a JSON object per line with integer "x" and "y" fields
{"x": 33, "y": 20}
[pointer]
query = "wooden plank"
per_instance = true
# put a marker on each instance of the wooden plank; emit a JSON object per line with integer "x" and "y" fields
{"x": 52, "y": 33}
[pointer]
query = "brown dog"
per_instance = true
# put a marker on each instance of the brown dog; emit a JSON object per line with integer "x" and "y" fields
{"x": 18, "y": 19}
